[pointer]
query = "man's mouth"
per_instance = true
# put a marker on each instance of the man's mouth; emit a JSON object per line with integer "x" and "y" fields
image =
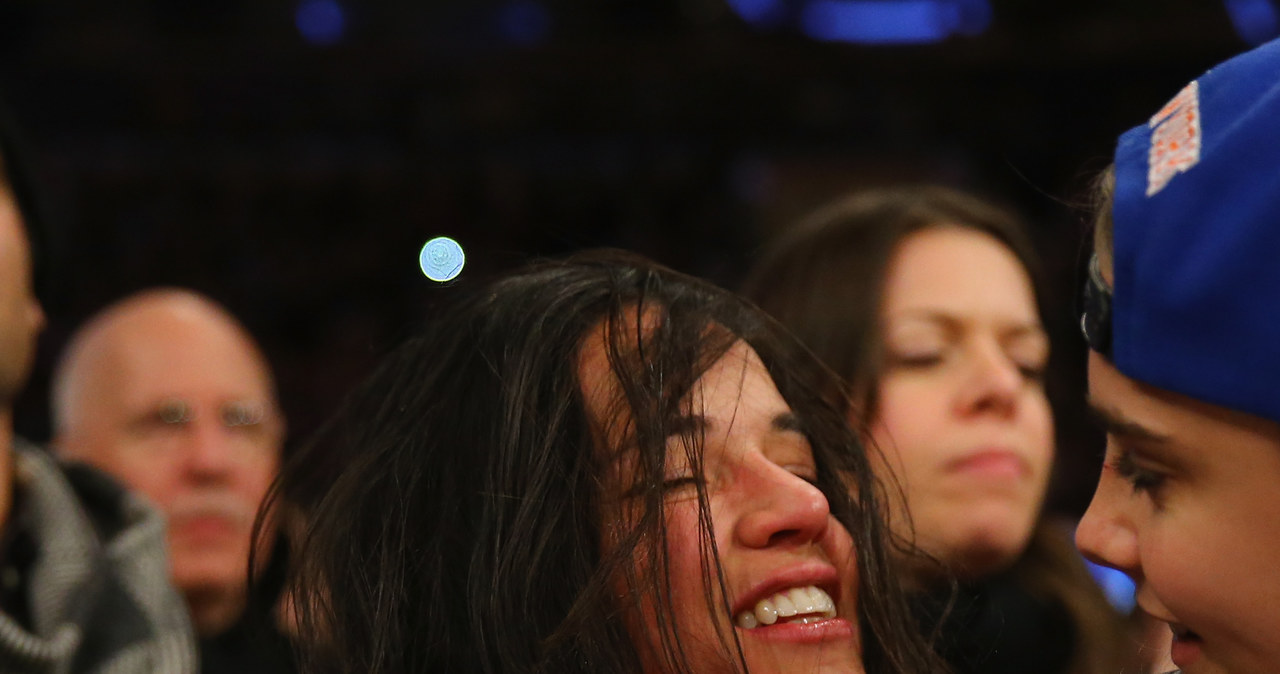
{"x": 803, "y": 605}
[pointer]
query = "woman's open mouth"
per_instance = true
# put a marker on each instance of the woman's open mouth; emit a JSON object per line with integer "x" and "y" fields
{"x": 804, "y": 605}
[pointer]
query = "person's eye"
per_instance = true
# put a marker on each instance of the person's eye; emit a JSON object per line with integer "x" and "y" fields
{"x": 1033, "y": 372}
{"x": 681, "y": 482}
{"x": 915, "y": 360}
{"x": 805, "y": 472}
{"x": 1143, "y": 480}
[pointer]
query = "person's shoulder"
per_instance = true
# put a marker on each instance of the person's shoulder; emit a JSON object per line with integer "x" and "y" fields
{"x": 102, "y": 566}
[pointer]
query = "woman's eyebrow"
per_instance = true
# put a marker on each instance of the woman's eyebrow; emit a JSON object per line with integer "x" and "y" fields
{"x": 788, "y": 421}
{"x": 1115, "y": 423}
{"x": 687, "y": 425}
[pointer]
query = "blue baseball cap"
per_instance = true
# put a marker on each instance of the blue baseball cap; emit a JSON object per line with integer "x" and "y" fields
{"x": 1195, "y": 307}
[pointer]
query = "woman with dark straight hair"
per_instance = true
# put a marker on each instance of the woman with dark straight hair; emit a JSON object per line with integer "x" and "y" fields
{"x": 927, "y": 304}
{"x": 594, "y": 465}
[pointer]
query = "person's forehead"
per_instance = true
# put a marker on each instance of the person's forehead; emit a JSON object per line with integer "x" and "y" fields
{"x": 1192, "y": 424}
{"x": 933, "y": 270}
{"x": 161, "y": 355}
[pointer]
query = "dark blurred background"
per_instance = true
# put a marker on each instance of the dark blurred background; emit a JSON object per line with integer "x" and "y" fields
{"x": 290, "y": 158}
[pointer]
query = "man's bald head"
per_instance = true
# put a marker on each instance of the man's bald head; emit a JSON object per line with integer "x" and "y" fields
{"x": 169, "y": 393}
{"x": 154, "y": 323}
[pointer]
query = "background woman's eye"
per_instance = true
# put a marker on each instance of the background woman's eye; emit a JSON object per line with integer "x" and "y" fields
{"x": 1032, "y": 371}
{"x": 915, "y": 360}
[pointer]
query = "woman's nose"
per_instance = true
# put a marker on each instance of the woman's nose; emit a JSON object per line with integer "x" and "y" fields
{"x": 1106, "y": 534}
{"x": 992, "y": 381}
{"x": 781, "y": 508}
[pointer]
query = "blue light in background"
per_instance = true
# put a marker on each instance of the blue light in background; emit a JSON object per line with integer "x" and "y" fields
{"x": 524, "y": 22}
{"x": 1256, "y": 21}
{"x": 321, "y": 22}
{"x": 441, "y": 259}
{"x": 973, "y": 16}
{"x": 762, "y": 13}
{"x": 893, "y": 21}
{"x": 1117, "y": 586}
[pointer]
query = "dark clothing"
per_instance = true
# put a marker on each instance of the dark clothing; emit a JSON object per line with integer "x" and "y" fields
{"x": 997, "y": 627}
{"x": 254, "y": 645}
{"x": 247, "y": 648}
{"x": 85, "y": 578}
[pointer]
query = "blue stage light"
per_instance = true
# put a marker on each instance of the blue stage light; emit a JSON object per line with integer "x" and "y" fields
{"x": 1118, "y": 587}
{"x": 762, "y": 13}
{"x": 893, "y": 21}
{"x": 321, "y": 22}
{"x": 524, "y": 22}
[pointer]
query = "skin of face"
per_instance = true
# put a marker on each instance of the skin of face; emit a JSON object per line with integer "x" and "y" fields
{"x": 1188, "y": 505}
{"x": 171, "y": 397}
{"x": 20, "y": 316}
{"x": 772, "y": 526}
{"x": 961, "y": 418}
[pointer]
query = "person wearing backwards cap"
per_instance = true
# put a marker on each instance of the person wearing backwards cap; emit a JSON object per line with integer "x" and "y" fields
{"x": 1183, "y": 319}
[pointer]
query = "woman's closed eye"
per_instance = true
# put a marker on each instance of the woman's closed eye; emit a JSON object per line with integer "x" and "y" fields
{"x": 1032, "y": 371}
{"x": 1142, "y": 479}
{"x": 915, "y": 359}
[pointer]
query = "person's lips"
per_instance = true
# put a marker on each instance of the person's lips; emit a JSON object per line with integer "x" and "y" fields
{"x": 796, "y": 604}
{"x": 991, "y": 462}
{"x": 1187, "y": 646}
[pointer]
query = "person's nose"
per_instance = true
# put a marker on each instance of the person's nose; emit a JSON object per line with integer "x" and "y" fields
{"x": 1106, "y": 534}
{"x": 992, "y": 381}
{"x": 208, "y": 450}
{"x": 781, "y": 508}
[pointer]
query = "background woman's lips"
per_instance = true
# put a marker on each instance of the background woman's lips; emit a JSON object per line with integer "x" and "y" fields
{"x": 997, "y": 463}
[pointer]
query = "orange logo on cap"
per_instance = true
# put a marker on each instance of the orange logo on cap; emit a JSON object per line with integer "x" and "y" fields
{"x": 1175, "y": 138}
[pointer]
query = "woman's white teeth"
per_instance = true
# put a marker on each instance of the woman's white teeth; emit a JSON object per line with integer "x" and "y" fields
{"x": 799, "y": 604}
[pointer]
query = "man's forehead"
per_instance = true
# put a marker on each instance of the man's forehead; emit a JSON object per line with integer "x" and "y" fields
{"x": 157, "y": 358}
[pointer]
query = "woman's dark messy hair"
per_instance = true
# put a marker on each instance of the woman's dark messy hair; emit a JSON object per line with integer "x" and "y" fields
{"x": 453, "y": 516}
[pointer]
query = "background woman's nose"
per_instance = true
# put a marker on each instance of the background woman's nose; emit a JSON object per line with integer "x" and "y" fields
{"x": 992, "y": 381}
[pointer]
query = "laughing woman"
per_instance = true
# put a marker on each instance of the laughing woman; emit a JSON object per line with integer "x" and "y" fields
{"x": 594, "y": 465}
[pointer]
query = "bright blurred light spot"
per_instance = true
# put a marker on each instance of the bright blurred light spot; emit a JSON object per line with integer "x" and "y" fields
{"x": 1256, "y": 21}
{"x": 321, "y": 22}
{"x": 441, "y": 259}
{"x": 758, "y": 12}
{"x": 1118, "y": 587}
{"x": 893, "y": 21}
{"x": 524, "y": 22}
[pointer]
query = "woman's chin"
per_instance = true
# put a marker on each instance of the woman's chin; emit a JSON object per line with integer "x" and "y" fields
{"x": 982, "y": 554}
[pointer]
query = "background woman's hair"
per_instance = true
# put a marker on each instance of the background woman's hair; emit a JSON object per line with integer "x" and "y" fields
{"x": 451, "y": 517}
{"x": 825, "y": 281}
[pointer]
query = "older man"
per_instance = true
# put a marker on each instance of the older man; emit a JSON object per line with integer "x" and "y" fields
{"x": 167, "y": 391}
{"x": 82, "y": 585}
